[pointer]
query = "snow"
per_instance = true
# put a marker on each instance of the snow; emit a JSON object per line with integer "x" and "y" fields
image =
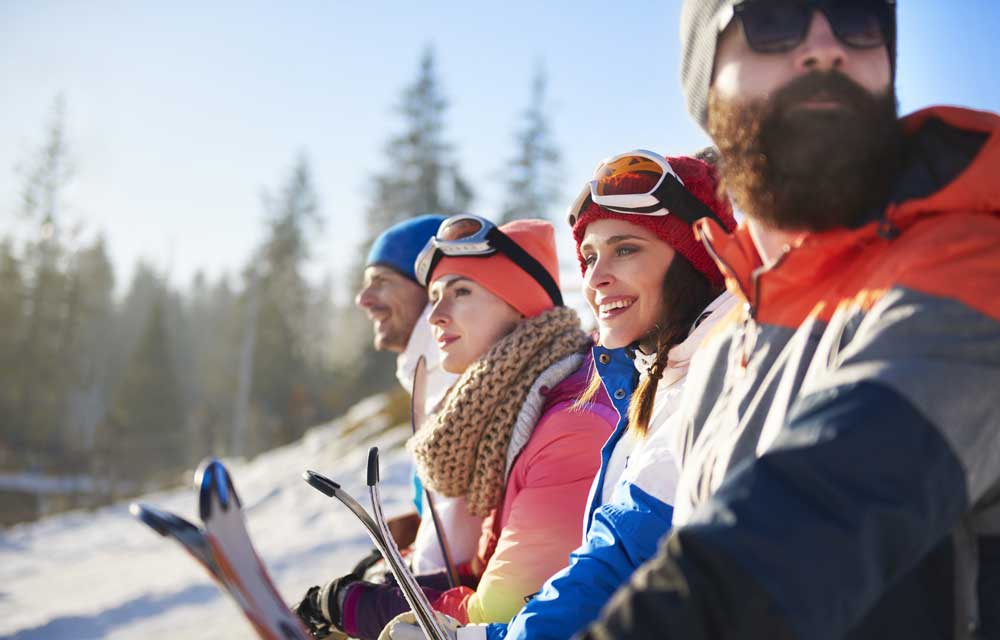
{"x": 102, "y": 574}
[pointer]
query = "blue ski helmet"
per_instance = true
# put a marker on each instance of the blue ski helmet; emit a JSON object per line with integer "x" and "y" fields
{"x": 397, "y": 247}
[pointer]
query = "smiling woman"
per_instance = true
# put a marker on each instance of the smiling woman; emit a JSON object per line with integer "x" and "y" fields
{"x": 623, "y": 281}
{"x": 655, "y": 293}
{"x": 643, "y": 295}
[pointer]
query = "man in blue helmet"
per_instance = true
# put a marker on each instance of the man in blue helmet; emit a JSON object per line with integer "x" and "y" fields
{"x": 390, "y": 293}
{"x": 398, "y": 308}
{"x": 397, "y": 304}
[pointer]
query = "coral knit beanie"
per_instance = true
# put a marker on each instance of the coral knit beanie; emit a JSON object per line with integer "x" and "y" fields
{"x": 702, "y": 181}
{"x": 502, "y": 277}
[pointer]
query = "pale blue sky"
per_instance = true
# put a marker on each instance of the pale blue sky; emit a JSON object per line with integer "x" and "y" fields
{"x": 179, "y": 114}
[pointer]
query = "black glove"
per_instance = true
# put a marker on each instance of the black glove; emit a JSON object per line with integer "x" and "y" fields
{"x": 320, "y": 608}
{"x": 310, "y": 611}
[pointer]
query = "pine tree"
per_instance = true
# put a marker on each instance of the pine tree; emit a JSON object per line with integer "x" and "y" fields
{"x": 145, "y": 431}
{"x": 88, "y": 343}
{"x": 42, "y": 380}
{"x": 132, "y": 318}
{"x": 278, "y": 299}
{"x": 422, "y": 175}
{"x": 210, "y": 348}
{"x": 534, "y": 173}
{"x": 12, "y": 321}
{"x": 48, "y": 174}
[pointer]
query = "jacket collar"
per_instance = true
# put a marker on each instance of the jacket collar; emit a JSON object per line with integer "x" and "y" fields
{"x": 681, "y": 353}
{"x": 949, "y": 164}
{"x": 618, "y": 374}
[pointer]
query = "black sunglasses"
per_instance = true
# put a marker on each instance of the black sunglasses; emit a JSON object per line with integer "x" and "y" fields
{"x": 777, "y": 26}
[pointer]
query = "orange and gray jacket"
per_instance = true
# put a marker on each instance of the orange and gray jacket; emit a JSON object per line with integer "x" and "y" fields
{"x": 841, "y": 463}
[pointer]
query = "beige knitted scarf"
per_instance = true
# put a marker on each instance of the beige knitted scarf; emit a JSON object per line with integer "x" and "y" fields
{"x": 462, "y": 450}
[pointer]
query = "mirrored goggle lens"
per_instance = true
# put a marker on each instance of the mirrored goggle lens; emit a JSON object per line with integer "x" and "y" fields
{"x": 609, "y": 176}
{"x": 459, "y": 229}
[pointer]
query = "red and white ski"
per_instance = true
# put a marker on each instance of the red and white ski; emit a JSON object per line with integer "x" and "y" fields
{"x": 224, "y": 549}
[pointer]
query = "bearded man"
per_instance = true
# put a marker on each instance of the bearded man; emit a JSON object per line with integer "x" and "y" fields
{"x": 840, "y": 471}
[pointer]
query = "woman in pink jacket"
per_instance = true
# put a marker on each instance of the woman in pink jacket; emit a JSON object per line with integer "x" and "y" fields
{"x": 507, "y": 437}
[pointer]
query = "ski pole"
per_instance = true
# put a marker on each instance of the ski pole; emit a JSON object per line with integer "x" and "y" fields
{"x": 373, "y": 492}
{"x": 418, "y": 397}
{"x": 414, "y": 596}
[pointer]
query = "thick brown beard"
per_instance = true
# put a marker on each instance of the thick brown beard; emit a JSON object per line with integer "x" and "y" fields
{"x": 804, "y": 170}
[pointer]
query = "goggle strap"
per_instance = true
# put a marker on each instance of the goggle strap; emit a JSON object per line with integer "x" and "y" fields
{"x": 523, "y": 259}
{"x": 435, "y": 259}
{"x": 683, "y": 203}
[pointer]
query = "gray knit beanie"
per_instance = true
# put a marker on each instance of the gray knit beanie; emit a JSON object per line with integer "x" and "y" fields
{"x": 699, "y": 37}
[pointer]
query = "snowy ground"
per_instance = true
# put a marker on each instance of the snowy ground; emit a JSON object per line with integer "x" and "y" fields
{"x": 87, "y": 575}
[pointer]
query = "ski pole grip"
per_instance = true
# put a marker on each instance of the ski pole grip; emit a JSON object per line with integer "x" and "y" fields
{"x": 321, "y": 483}
{"x": 373, "y": 467}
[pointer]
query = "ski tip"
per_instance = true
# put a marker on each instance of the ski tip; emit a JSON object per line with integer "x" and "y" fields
{"x": 373, "y": 467}
{"x": 320, "y": 482}
{"x": 162, "y": 522}
{"x": 213, "y": 479}
{"x": 146, "y": 515}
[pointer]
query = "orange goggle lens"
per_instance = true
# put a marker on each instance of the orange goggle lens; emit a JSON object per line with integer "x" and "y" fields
{"x": 607, "y": 175}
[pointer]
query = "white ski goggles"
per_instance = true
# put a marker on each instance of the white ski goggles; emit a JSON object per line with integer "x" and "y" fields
{"x": 667, "y": 196}
{"x": 468, "y": 235}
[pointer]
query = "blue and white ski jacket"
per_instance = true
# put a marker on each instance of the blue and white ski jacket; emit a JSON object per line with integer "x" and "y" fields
{"x": 624, "y": 523}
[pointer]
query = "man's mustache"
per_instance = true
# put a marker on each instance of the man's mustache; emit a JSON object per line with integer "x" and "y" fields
{"x": 828, "y": 86}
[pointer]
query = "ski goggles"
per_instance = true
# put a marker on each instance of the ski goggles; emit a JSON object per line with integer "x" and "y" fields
{"x": 667, "y": 196}
{"x": 777, "y": 26}
{"x": 466, "y": 235}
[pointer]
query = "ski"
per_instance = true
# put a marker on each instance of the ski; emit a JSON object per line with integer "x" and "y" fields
{"x": 224, "y": 549}
{"x": 379, "y": 533}
{"x": 186, "y": 534}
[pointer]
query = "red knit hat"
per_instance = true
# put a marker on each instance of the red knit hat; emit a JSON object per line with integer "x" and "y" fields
{"x": 502, "y": 277}
{"x": 702, "y": 181}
